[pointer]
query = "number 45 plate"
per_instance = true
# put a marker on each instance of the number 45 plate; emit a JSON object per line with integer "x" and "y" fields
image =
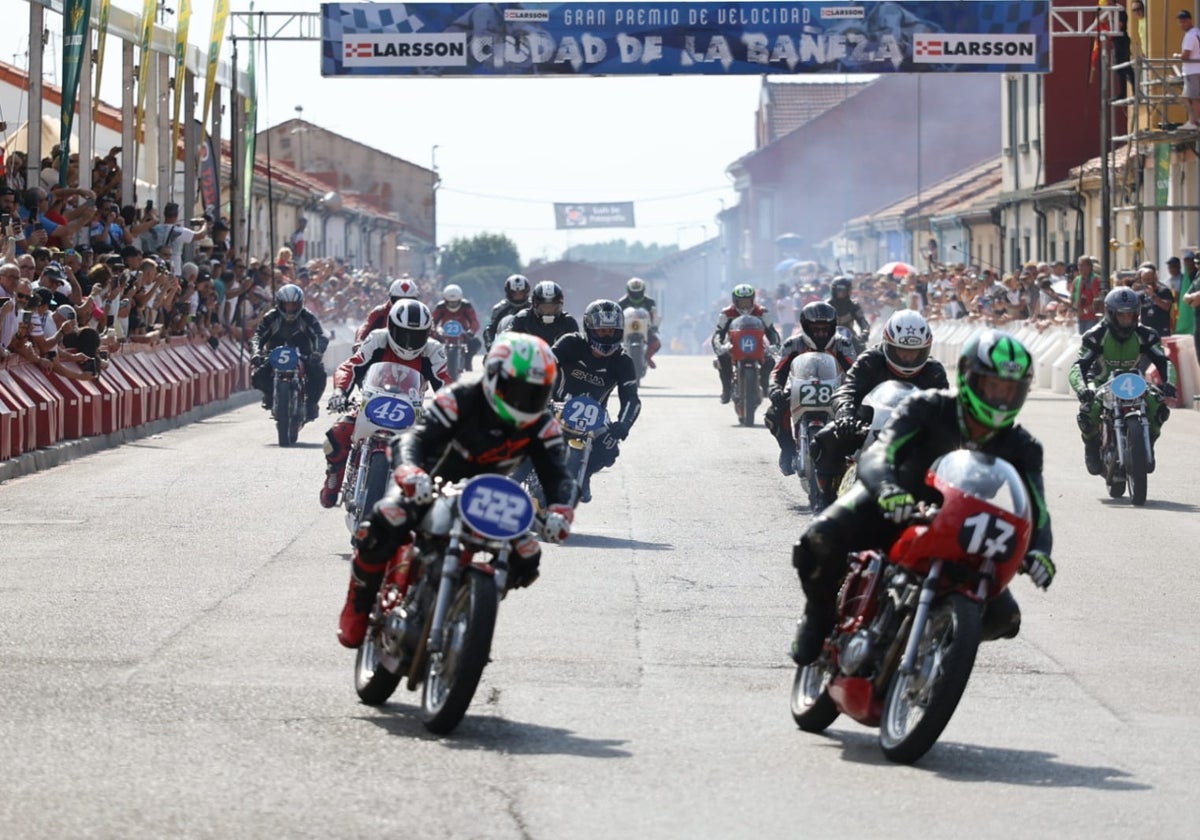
{"x": 496, "y": 507}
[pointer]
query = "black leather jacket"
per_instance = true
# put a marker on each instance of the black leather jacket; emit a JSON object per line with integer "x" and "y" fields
{"x": 499, "y": 312}
{"x": 526, "y": 321}
{"x": 459, "y": 436}
{"x": 581, "y": 372}
{"x": 869, "y": 370}
{"x": 304, "y": 333}
{"x": 928, "y": 425}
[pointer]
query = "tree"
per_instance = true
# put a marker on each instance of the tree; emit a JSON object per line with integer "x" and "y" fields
{"x": 480, "y": 265}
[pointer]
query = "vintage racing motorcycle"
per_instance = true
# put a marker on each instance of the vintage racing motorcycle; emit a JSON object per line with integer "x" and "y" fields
{"x": 909, "y": 622}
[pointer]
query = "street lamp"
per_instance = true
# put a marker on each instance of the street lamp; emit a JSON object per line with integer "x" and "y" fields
{"x": 437, "y": 182}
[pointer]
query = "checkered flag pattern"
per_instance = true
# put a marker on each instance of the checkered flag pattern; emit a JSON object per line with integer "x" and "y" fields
{"x": 356, "y": 18}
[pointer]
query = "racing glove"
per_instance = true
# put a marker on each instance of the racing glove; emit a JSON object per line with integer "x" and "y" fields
{"x": 1168, "y": 390}
{"x": 896, "y": 503}
{"x": 414, "y": 483}
{"x": 557, "y": 526}
{"x": 339, "y": 401}
{"x": 1039, "y": 567}
{"x": 619, "y": 430}
{"x": 1087, "y": 394}
{"x": 780, "y": 399}
{"x": 314, "y": 358}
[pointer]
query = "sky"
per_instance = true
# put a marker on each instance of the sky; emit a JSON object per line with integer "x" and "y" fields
{"x": 506, "y": 148}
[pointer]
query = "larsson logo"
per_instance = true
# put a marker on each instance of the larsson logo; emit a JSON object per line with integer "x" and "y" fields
{"x": 948, "y": 48}
{"x": 433, "y": 50}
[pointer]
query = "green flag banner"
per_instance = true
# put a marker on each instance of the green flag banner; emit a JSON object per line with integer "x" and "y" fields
{"x": 250, "y": 129}
{"x": 144, "y": 61}
{"x": 220, "y": 14}
{"x": 181, "y": 43}
{"x": 77, "y": 17}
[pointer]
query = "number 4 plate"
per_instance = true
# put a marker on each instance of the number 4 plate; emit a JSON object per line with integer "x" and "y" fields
{"x": 496, "y": 507}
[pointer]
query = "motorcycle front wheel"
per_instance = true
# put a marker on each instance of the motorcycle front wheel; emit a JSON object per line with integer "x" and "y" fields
{"x": 920, "y": 704}
{"x": 453, "y": 674}
{"x": 283, "y": 413}
{"x": 812, "y": 708}
{"x": 373, "y": 683}
{"x": 1136, "y": 459}
{"x": 379, "y": 470}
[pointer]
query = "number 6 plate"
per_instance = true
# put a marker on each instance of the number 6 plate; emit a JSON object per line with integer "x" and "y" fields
{"x": 496, "y": 507}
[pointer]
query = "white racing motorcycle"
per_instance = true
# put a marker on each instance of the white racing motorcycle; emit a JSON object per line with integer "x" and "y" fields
{"x": 811, "y": 382}
{"x": 876, "y": 408}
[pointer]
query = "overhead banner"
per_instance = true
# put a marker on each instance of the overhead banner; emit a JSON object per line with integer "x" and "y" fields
{"x": 724, "y": 39}
{"x": 618, "y": 214}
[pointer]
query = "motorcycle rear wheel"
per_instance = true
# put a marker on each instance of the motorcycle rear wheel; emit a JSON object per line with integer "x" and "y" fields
{"x": 1136, "y": 458}
{"x": 453, "y": 674}
{"x": 373, "y": 683}
{"x": 812, "y": 707}
{"x": 919, "y": 705}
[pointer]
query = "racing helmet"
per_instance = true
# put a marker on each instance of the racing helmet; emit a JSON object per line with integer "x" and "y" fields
{"x": 452, "y": 296}
{"x": 403, "y": 287}
{"x": 518, "y": 375}
{"x": 994, "y": 374}
{"x": 840, "y": 288}
{"x": 818, "y": 324}
{"x": 516, "y": 288}
{"x": 635, "y": 287}
{"x": 547, "y": 301}
{"x": 1122, "y": 307}
{"x": 289, "y": 300}
{"x": 408, "y": 328}
{"x": 604, "y": 326}
{"x": 743, "y": 297}
{"x": 906, "y": 342}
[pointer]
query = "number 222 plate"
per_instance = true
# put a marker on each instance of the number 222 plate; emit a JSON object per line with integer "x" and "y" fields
{"x": 496, "y": 507}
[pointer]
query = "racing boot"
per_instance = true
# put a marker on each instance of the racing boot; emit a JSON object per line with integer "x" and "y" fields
{"x": 314, "y": 411}
{"x": 811, "y": 632}
{"x": 364, "y": 584}
{"x": 1001, "y": 617}
{"x": 787, "y": 456}
{"x": 1091, "y": 455}
{"x": 329, "y": 490}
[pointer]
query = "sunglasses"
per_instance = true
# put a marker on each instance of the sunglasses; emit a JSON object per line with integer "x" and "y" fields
{"x": 23, "y": 297}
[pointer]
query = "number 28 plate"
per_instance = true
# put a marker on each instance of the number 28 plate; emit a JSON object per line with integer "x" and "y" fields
{"x": 496, "y": 507}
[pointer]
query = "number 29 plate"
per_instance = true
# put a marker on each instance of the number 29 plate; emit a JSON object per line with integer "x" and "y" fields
{"x": 496, "y": 507}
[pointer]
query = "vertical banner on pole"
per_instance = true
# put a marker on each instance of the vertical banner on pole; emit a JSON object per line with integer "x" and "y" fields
{"x": 250, "y": 126}
{"x": 77, "y": 17}
{"x": 220, "y": 14}
{"x": 210, "y": 185}
{"x": 101, "y": 40}
{"x": 148, "y": 9}
{"x": 181, "y": 44}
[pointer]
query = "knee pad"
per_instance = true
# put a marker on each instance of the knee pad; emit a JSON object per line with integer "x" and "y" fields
{"x": 1164, "y": 411}
{"x": 1085, "y": 424}
{"x": 523, "y": 562}
{"x": 337, "y": 441}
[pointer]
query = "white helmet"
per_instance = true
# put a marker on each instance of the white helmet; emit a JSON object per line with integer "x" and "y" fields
{"x": 453, "y": 296}
{"x": 403, "y": 288}
{"x": 408, "y": 328}
{"x": 906, "y": 342}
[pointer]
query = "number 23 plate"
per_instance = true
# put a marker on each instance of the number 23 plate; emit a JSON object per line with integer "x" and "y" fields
{"x": 496, "y": 507}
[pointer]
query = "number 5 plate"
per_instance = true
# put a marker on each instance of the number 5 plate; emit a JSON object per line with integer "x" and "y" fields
{"x": 496, "y": 507}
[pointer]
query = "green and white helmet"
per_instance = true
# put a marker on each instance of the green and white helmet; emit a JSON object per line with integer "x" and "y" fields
{"x": 994, "y": 374}
{"x": 518, "y": 374}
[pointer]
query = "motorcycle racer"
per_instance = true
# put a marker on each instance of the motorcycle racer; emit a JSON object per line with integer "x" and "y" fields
{"x": 849, "y": 312}
{"x": 454, "y": 307}
{"x": 1118, "y": 343}
{"x": 818, "y": 334}
{"x": 289, "y": 323}
{"x": 545, "y": 317}
{"x": 635, "y": 296}
{"x": 516, "y": 297}
{"x": 743, "y": 303}
{"x": 406, "y": 341}
{"x": 485, "y": 426}
{"x": 903, "y": 355}
{"x": 594, "y": 364}
{"x": 994, "y": 374}
{"x": 404, "y": 287}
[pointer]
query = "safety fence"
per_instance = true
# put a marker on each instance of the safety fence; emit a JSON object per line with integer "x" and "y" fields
{"x": 1055, "y": 350}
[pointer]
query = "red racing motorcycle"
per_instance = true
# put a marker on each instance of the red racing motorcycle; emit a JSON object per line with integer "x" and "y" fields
{"x": 909, "y": 622}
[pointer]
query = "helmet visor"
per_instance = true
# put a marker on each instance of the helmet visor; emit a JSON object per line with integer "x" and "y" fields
{"x": 743, "y": 304}
{"x": 906, "y": 358}
{"x": 820, "y": 333}
{"x": 290, "y": 309}
{"x": 408, "y": 339}
{"x": 549, "y": 309}
{"x": 523, "y": 396}
{"x": 995, "y": 402}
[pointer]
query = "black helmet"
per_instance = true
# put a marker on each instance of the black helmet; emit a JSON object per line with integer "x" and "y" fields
{"x": 840, "y": 288}
{"x": 994, "y": 374}
{"x": 606, "y": 316}
{"x": 516, "y": 288}
{"x": 547, "y": 300}
{"x": 1123, "y": 301}
{"x": 818, "y": 324}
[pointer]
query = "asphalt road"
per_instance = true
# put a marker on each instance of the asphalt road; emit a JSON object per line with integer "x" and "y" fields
{"x": 168, "y": 664}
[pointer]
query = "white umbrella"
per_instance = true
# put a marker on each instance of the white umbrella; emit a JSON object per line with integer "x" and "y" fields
{"x": 897, "y": 269}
